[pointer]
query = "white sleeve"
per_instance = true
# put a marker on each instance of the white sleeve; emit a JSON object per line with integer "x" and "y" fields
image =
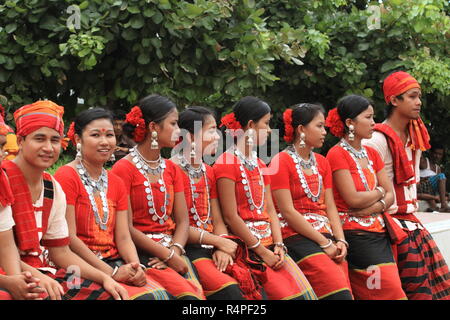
{"x": 379, "y": 143}
{"x": 6, "y": 218}
{"x": 57, "y": 223}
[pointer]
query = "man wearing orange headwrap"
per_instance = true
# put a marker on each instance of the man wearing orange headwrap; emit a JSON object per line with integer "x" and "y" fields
{"x": 39, "y": 208}
{"x": 400, "y": 140}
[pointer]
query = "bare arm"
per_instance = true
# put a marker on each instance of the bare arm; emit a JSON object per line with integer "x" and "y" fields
{"x": 125, "y": 245}
{"x": 354, "y": 199}
{"x": 9, "y": 255}
{"x": 181, "y": 219}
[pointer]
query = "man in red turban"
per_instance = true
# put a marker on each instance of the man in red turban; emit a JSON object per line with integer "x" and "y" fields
{"x": 400, "y": 140}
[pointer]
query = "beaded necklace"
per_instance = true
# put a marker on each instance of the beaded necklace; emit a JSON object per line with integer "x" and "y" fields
{"x": 141, "y": 164}
{"x": 310, "y": 164}
{"x": 246, "y": 182}
{"x": 355, "y": 155}
{"x": 195, "y": 173}
{"x": 92, "y": 186}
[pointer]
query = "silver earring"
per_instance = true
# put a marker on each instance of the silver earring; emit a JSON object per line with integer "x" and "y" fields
{"x": 302, "y": 143}
{"x": 250, "y": 137}
{"x": 154, "y": 144}
{"x": 78, "y": 156}
{"x": 351, "y": 135}
{"x": 192, "y": 154}
{"x": 113, "y": 158}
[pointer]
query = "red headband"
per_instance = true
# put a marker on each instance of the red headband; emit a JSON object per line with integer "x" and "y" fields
{"x": 136, "y": 118}
{"x": 398, "y": 83}
{"x": 335, "y": 123}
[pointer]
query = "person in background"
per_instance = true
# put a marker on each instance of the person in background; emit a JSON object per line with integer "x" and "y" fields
{"x": 10, "y": 146}
{"x": 124, "y": 143}
{"x": 432, "y": 184}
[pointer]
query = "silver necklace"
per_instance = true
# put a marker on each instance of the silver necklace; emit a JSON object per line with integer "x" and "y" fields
{"x": 195, "y": 173}
{"x": 355, "y": 155}
{"x": 92, "y": 186}
{"x": 141, "y": 164}
{"x": 310, "y": 164}
{"x": 246, "y": 182}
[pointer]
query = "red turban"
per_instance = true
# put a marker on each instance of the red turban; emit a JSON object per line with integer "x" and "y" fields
{"x": 398, "y": 83}
{"x": 40, "y": 114}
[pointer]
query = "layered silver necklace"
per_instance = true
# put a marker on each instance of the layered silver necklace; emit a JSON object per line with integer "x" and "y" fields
{"x": 355, "y": 154}
{"x": 195, "y": 173}
{"x": 246, "y": 182}
{"x": 143, "y": 167}
{"x": 300, "y": 164}
{"x": 92, "y": 186}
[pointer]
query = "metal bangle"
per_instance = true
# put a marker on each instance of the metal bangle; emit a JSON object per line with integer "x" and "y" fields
{"x": 179, "y": 246}
{"x": 343, "y": 241}
{"x": 281, "y": 245}
{"x": 116, "y": 268}
{"x": 172, "y": 252}
{"x": 330, "y": 242}
{"x": 255, "y": 245}
{"x": 143, "y": 267}
{"x": 223, "y": 235}
{"x": 202, "y": 234}
{"x": 381, "y": 191}
{"x": 383, "y": 203}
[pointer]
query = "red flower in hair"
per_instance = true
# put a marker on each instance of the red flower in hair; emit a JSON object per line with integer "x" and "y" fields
{"x": 2, "y": 111}
{"x": 230, "y": 122}
{"x": 288, "y": 129}
{"x": 71, "y": 133}
{"x": 135, "y": 118}
{"x": 335, "y": 123}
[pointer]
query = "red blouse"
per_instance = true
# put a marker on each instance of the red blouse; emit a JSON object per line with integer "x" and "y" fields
{"x": 201, "y": 203}
{"x": 134, "y": 184}
{"x": 340, "y": 159}
{"x": 101, "y": 242}
{"x": 285, "y": 176}
{"x": 228, "y": 166}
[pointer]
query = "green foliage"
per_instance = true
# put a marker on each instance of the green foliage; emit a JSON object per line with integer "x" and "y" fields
{"x": 213, "y": 52}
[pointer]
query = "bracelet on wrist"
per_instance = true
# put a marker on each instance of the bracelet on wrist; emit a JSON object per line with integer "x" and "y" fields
{"x": 142, "y": 266}
{"x": 343, "y": 241}
{"x": 172, "y": 252}
{"x": 256, "y": 245}
{"x": 281, "y": 245}
{"x": 383, "y": 203}
{"x": 179, "y": 246}
{"x": 116, "y": 268}
{"x": 330, "y": 242}
{"x": 383, "y": 193}
{"x": 223, "y": 235}
{"x": 202, "y": 234}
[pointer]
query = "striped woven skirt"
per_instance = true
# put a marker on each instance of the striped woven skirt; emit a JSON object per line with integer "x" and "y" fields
{"x": 286, "y": 283}
{"x": 328, "y": 278}
{"x": 372, "y": 269}
{"x": 182, "y": 287}
{"x": 216, "y": 284}
{"x": 423, "y": 271}
{"x": 151, "y": 291}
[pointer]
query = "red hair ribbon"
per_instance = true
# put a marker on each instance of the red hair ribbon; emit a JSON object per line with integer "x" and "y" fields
{"x": 335, "y": 123}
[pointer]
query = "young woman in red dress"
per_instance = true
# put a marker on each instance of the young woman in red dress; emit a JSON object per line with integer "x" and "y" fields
{"x": 363, "y": 192}
{"x": 208, "y": 248}
{"x": 246, "y": 201}
{"x": 302, "y": 189}
{"x": 97, "y": 207}
{"x": 159, "y": 221}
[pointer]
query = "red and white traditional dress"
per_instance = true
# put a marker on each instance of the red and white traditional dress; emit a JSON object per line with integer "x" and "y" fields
{"x": 288, "y": 282}
{"x": 102, "y": 240}
{"x": 152, "y": 215}
{"x": 369, "y": 249}
{"x": 328, "y": 278}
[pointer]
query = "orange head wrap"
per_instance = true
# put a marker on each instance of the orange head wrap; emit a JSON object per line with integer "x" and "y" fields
{"x": 398, "y": 83}
{"x": 44, "y": 113}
